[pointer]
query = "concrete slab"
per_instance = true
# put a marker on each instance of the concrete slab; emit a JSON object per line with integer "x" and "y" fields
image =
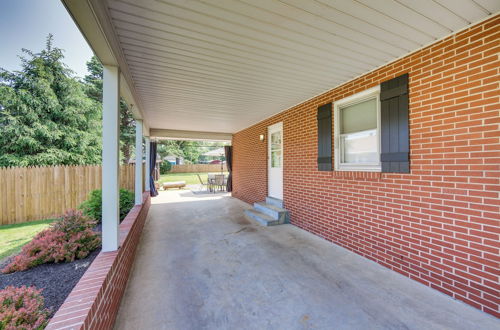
{"x": 202, "y": 265}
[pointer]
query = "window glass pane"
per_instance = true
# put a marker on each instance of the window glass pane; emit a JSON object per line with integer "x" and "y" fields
{"x": 276, "y": 158}
{"x": 358, "y": 117}
{"x": 276, "y": 141}
{"x": 360, "y": 147}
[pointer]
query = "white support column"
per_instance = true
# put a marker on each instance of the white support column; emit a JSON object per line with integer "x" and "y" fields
{"x": 148, "y": 168}
{"x": 110, "y": 158}
{"x": 138, "y": 162}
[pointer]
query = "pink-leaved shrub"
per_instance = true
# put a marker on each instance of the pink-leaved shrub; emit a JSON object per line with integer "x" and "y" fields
{"x": 68, "y": 239}
{"x": 22, "y": 308}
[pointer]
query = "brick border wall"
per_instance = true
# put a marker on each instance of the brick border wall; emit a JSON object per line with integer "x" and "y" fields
{"x": 438, "y": 225}
{"x": 94, "y": 301}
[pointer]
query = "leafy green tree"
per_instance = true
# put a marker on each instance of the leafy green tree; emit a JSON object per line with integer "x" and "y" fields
{"x": 169, "y": 148}
{"x": 93, "y": 83}
{"x": 46, "y": 117}
{"x": 191, "y": 151}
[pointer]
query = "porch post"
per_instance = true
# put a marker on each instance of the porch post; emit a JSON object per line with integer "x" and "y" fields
{"x": 110, "y": 157}
{"x": 138, "y": 162}
{"x": 148, "y": 168}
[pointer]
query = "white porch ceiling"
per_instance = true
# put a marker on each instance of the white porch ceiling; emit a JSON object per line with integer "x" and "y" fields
{"x": 222, "y": 65}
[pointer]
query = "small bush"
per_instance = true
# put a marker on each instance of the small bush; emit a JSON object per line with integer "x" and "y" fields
{"x": 92, "y": 207}
{"x": 22, "y": 308}
{"x": 68, "y": 239}
{"x": 127, "y": 200}
{"x": 165, "y": 167}
{"x": 73, "y": 222}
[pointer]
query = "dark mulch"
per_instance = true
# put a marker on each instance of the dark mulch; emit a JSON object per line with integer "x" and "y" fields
{"x": 56, "y": 280}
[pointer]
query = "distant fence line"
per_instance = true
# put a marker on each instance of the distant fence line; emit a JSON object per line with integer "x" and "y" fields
{"x": 192, "y": 168}
{"x": 44, "y": 192}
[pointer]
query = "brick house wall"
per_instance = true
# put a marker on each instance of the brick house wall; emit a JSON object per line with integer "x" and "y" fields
{"x": 439, "y": 224}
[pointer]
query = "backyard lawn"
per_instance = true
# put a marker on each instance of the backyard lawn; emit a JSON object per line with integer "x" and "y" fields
{"x": 13, "y": 237}
{"x": 190, "y": 178}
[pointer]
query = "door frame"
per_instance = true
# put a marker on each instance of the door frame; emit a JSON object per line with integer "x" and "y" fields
{"x": 274, "y": 127}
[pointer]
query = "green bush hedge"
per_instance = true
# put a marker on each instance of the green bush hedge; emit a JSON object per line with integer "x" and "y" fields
{"x": 92, "y": 207}
{"x": 165, "y": 167}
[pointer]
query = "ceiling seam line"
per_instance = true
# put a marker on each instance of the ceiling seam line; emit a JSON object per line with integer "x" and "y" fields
{"x": 183, "y": 43}
{"x": 244, "y": 36}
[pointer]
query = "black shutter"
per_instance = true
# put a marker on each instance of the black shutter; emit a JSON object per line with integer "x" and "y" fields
{"x": 395, "y": 153}
{"x": 325, "y": 137}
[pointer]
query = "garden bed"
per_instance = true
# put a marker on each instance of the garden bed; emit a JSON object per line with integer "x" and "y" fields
{"x": 94, "y": 301}
{"x": 55, "y": 280}
{"x": 48, "y": 265}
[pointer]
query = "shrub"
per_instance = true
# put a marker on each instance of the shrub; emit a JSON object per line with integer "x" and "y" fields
{"x": 92, "y": 207}
{"x": 68, "y": 239}
{"x": 73, "y": 222}
{"x": 127, "y": 200}
{"x": 22, "y": 308}
{"x": 165, "y": 167}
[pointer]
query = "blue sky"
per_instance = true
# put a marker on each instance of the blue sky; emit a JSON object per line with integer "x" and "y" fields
{"x": 26, "y": 24}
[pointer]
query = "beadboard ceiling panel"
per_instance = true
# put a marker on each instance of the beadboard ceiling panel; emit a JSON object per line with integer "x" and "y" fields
{"x": 222, "y": 65}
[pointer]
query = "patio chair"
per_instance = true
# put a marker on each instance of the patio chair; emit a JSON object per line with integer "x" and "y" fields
{"x": 203, "y": 184}
{"x": 219, "y": 182}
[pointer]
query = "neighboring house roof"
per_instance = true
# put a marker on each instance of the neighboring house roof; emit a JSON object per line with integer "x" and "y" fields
{"x": 172, "y": 158}
{"x": 215, "y": 153}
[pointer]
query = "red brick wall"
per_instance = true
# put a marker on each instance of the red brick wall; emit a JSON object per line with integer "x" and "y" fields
{"x": 94, "y": 301}
{"x": 439, "y": 224}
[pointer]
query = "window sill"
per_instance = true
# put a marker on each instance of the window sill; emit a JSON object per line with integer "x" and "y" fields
{"x": 367, "y": 175}
{"x": 358, "y": 168}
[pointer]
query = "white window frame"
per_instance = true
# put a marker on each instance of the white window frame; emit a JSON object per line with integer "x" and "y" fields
{"x": 351, "y": 100}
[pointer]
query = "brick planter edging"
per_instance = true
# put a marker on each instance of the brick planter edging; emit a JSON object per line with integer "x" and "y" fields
{"x": 94, "y": 301}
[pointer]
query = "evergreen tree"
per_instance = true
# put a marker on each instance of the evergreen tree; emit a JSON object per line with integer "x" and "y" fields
{"x": 45, "y": 116}
{"x": 93, "y": 82}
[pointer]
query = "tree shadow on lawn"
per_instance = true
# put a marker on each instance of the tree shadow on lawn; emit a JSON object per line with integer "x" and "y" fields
{"x": 27, "y": 224}
{"x": 14, "y": 236}
{"x": 4, "y": 256}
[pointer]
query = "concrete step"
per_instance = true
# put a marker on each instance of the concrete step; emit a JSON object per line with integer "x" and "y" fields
{"x": 273, "y": 211}
{"x": 262, "y": 218}
{"x": 274, "y": 201}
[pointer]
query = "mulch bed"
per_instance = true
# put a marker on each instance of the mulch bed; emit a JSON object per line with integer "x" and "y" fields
{"x": 56, "y": 280}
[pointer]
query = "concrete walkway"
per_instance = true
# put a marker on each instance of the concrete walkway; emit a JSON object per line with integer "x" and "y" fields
{"x": 202, "y": 265}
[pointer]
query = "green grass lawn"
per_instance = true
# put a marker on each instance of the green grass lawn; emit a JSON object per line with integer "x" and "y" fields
{"x": 190, "y": 178}
{"x": 13, "y": 237}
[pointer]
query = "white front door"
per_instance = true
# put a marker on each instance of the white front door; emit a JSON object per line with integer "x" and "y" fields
{"x": 275, "y": 160}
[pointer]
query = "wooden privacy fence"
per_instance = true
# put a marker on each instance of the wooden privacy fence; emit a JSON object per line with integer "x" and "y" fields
{"x": 34, "y": 193}
{"x": 192, "y": 168}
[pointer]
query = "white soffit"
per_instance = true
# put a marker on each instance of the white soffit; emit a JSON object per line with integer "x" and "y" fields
{"x": 223, "y": 65}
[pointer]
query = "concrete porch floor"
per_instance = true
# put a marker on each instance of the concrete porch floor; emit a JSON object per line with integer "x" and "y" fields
{"x": 202, "y": 265}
